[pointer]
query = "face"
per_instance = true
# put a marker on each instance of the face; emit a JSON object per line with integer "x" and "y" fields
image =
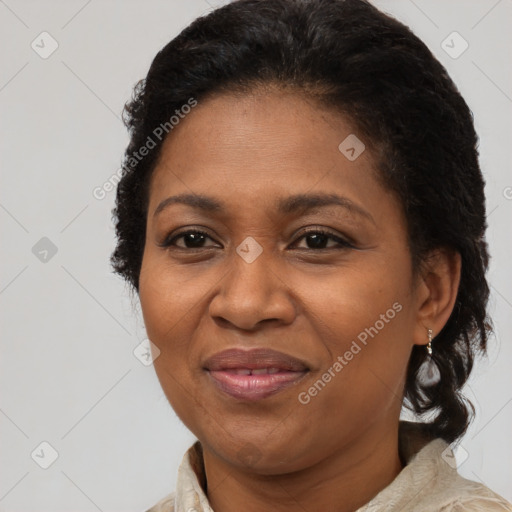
{"x": 282, "y": 243}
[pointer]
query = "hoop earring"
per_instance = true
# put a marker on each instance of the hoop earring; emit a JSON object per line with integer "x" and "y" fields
{"x": 428, "y": 372}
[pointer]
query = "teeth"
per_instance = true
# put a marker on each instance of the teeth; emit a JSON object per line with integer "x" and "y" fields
{"x": 256, "y": 371}
{"x": 243, "y": 371}
{"x": 259, "y": 371}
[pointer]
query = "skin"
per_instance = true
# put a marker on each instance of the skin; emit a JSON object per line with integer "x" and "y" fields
{"x": 340, "y": 449}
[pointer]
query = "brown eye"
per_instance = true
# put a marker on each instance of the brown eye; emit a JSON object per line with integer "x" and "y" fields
{"x": 318, "y": 239}
{"x": 191, "y": 240}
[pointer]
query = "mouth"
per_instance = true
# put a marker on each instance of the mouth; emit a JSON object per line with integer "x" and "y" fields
{"x": 254, "y": 374}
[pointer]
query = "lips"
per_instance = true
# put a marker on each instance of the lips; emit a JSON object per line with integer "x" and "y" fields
{"x": 254, "y": 359}
{"x": 254, "y": 374}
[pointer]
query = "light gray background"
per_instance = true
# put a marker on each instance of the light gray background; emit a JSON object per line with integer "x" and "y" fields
{"x": 68, "y": 374}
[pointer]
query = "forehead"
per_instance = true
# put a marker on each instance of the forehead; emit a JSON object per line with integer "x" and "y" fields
{"x": 277, "y": 137}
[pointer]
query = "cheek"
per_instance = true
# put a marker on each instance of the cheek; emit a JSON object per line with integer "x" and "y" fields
{"x": 363, "y": 321}
{"x": 354, "y": 302}
{"x": 168, "y": 297}
{"x": 166, "y": 304}
{"x": 165, "y": 313}
{"x": 172, "y": 305}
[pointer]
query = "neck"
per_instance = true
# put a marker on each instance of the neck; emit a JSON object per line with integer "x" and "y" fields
{"x": 345, "y": 481}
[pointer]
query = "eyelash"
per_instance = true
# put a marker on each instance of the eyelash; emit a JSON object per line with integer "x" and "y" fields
{"x": 343, "y": 244}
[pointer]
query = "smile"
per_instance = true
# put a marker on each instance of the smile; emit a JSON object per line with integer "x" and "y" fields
{"x": 254, "y": 374}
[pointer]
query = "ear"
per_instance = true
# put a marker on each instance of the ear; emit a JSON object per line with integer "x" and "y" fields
{"x": 436, "y": 292}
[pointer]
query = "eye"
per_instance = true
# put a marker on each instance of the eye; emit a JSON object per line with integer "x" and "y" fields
{"x": 318, "y": 239}
{"x": 193, "y": 239}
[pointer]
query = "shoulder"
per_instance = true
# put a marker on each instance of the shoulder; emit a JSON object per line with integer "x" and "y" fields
{"x": 430, "y": 482}
{"x": 164, "y": 505}
{"x": 470, "y": 496}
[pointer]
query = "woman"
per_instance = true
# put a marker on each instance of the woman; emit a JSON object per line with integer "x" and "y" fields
{"x": 302, "y": 216}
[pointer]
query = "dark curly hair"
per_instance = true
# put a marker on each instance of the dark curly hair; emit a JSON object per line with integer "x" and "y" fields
{"x": 350, "y": 57}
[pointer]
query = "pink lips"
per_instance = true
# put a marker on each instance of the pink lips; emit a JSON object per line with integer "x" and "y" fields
{"x": 254, "y": 374}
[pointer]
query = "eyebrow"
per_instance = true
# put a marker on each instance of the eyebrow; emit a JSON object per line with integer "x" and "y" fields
{"x": 298, "y": 204}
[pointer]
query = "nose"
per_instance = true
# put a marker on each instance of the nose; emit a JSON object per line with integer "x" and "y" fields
{"x": 252, "y": 294}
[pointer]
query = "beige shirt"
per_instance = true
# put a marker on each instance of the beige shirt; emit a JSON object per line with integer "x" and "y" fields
{"x": 429, "y": 482}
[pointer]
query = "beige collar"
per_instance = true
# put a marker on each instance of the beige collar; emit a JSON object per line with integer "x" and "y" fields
{"x": 428, "y": 481}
